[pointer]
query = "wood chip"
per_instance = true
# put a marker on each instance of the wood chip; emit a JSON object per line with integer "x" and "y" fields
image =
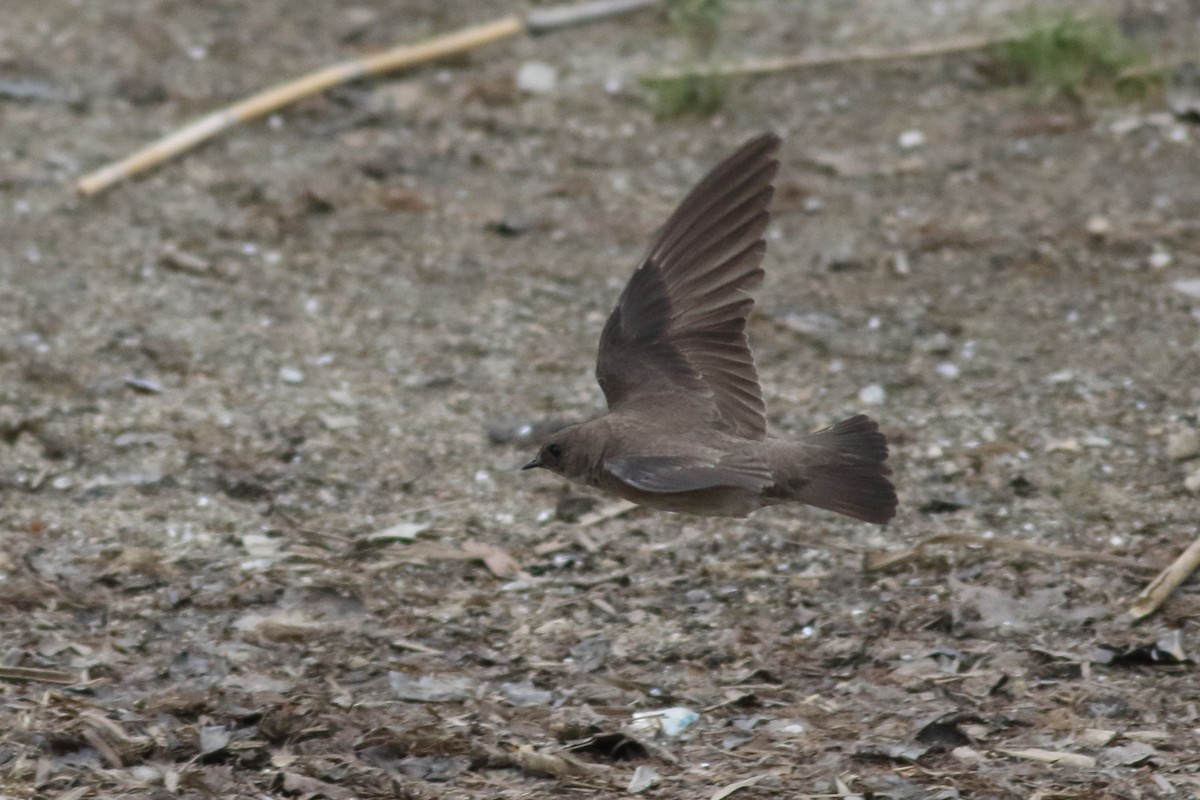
{"x": 1051, "y": 757}
{"x": 32, "y": 674}
{"x": 607, "y": 512}
{"x": 496, "y": 559}
{"x": 968, "y": 755}
{"x": 1095, "y": 737}
{"x": 737, "y": 786}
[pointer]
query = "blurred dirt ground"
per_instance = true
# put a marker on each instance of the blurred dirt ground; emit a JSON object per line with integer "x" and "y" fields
{"x": 261, "y": 531}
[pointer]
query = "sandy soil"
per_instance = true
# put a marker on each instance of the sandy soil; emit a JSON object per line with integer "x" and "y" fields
{"x": 260, "y": 413}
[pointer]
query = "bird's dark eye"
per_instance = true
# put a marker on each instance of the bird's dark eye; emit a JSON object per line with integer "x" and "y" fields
{"x": 554, "y": 450}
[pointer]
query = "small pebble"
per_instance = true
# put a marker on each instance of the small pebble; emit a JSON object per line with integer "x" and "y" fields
{"x": 1159, "y": 259}
{"x": 1190, "y": 287}
{"x": 1192, "y": 482}
{"x": 1183, "y": 444}
{"x": 1099, "y": 226}
{"x": 873, "y": 395}
{"x": 291, "y": 375}
{"x": 947, "y": 370}
{"x": 536, "y": 77}
{"x": 968, "y": 755}
{"x": 938, "y": 343}
{"x": 911, "y": 140}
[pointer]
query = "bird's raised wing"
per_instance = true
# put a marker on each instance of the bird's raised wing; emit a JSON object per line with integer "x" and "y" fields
{"x": 680, "y": 323}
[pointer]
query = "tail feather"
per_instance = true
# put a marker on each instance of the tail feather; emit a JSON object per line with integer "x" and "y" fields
{"x": 842, "y": 469}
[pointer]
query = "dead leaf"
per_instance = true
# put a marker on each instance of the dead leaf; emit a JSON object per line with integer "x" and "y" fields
{"x": 553, "y": 765}
{"x": 495, "y": 558}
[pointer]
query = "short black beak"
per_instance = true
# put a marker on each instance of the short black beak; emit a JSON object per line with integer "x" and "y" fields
{"x": 532, "y": 464}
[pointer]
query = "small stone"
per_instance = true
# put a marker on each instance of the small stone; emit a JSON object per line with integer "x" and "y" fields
{"x": 900, "y": 264}
{"x": 1159, "y": 259}
{"x": 1190, "y": 287}
{"x": 1183, "y": 444}
{"x": 536, "y": 77}
{"x": 291, "y": 375}
{"x": 938, "y": 344}
{"x": 812, "y": 323}
{"x": 873, "y": 395}
{"x": 1098, "y": 225}
{"x": 337, "y": 422}
{"x": 911, "y": 140}
{"x": 967, "y": 755}
{"x": 1192, "y": 483}
{"x": 947, "y": 370}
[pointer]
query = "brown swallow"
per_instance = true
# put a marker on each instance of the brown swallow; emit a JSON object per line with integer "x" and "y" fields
{"x": 686, "y": 427}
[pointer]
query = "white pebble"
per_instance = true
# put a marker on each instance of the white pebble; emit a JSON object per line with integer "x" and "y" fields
{"x": 947, "y": 370}
{"x": 1099, "y": 226}
{"x": 1159, "y": 259}
{"x": 911, "y": 140}
{"x": 291, "y": 375}
{"x": 1183, "y": 444}
{"x": 873, "y": 395}
{"x": 536, "y": 77}
{"x": 1192, "y": 482}
{"x": 1190, "y": 287}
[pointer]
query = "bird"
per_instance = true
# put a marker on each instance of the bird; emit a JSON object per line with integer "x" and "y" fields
{"x": 686, "y": 427}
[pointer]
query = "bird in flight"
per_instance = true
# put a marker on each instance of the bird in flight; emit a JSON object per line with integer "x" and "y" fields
{"x": 686, "y": 425}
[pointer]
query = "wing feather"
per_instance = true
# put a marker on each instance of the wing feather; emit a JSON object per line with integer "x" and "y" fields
{"x": 680, "y": 323}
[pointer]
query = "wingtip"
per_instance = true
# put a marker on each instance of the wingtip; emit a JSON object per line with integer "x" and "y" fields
{"x": 767, "y": 141}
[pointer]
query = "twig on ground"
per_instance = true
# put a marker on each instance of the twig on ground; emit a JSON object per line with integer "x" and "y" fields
{"x": 611, "y": 511}
{"x": 265, "y": 102}
{"x": 1159, "y": 589}
{"x": 874, "y": 562}
{"x": 27, "y": 674}
{"x": 963, "y": 44}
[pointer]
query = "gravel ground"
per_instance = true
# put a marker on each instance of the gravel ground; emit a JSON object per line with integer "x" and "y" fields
{"x": 261, "y": 528}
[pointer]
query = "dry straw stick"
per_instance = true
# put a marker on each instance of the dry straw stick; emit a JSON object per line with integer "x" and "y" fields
{"x": 963, "y": 44}
{"x": 205, "y": 128}
{"x": 1157, "y": 591}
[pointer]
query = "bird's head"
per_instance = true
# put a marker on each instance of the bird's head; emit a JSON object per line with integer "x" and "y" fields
{"x": 565, "y": 453}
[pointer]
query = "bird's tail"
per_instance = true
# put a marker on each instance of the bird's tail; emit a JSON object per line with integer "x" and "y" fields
{"x": 840, "y": 468}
